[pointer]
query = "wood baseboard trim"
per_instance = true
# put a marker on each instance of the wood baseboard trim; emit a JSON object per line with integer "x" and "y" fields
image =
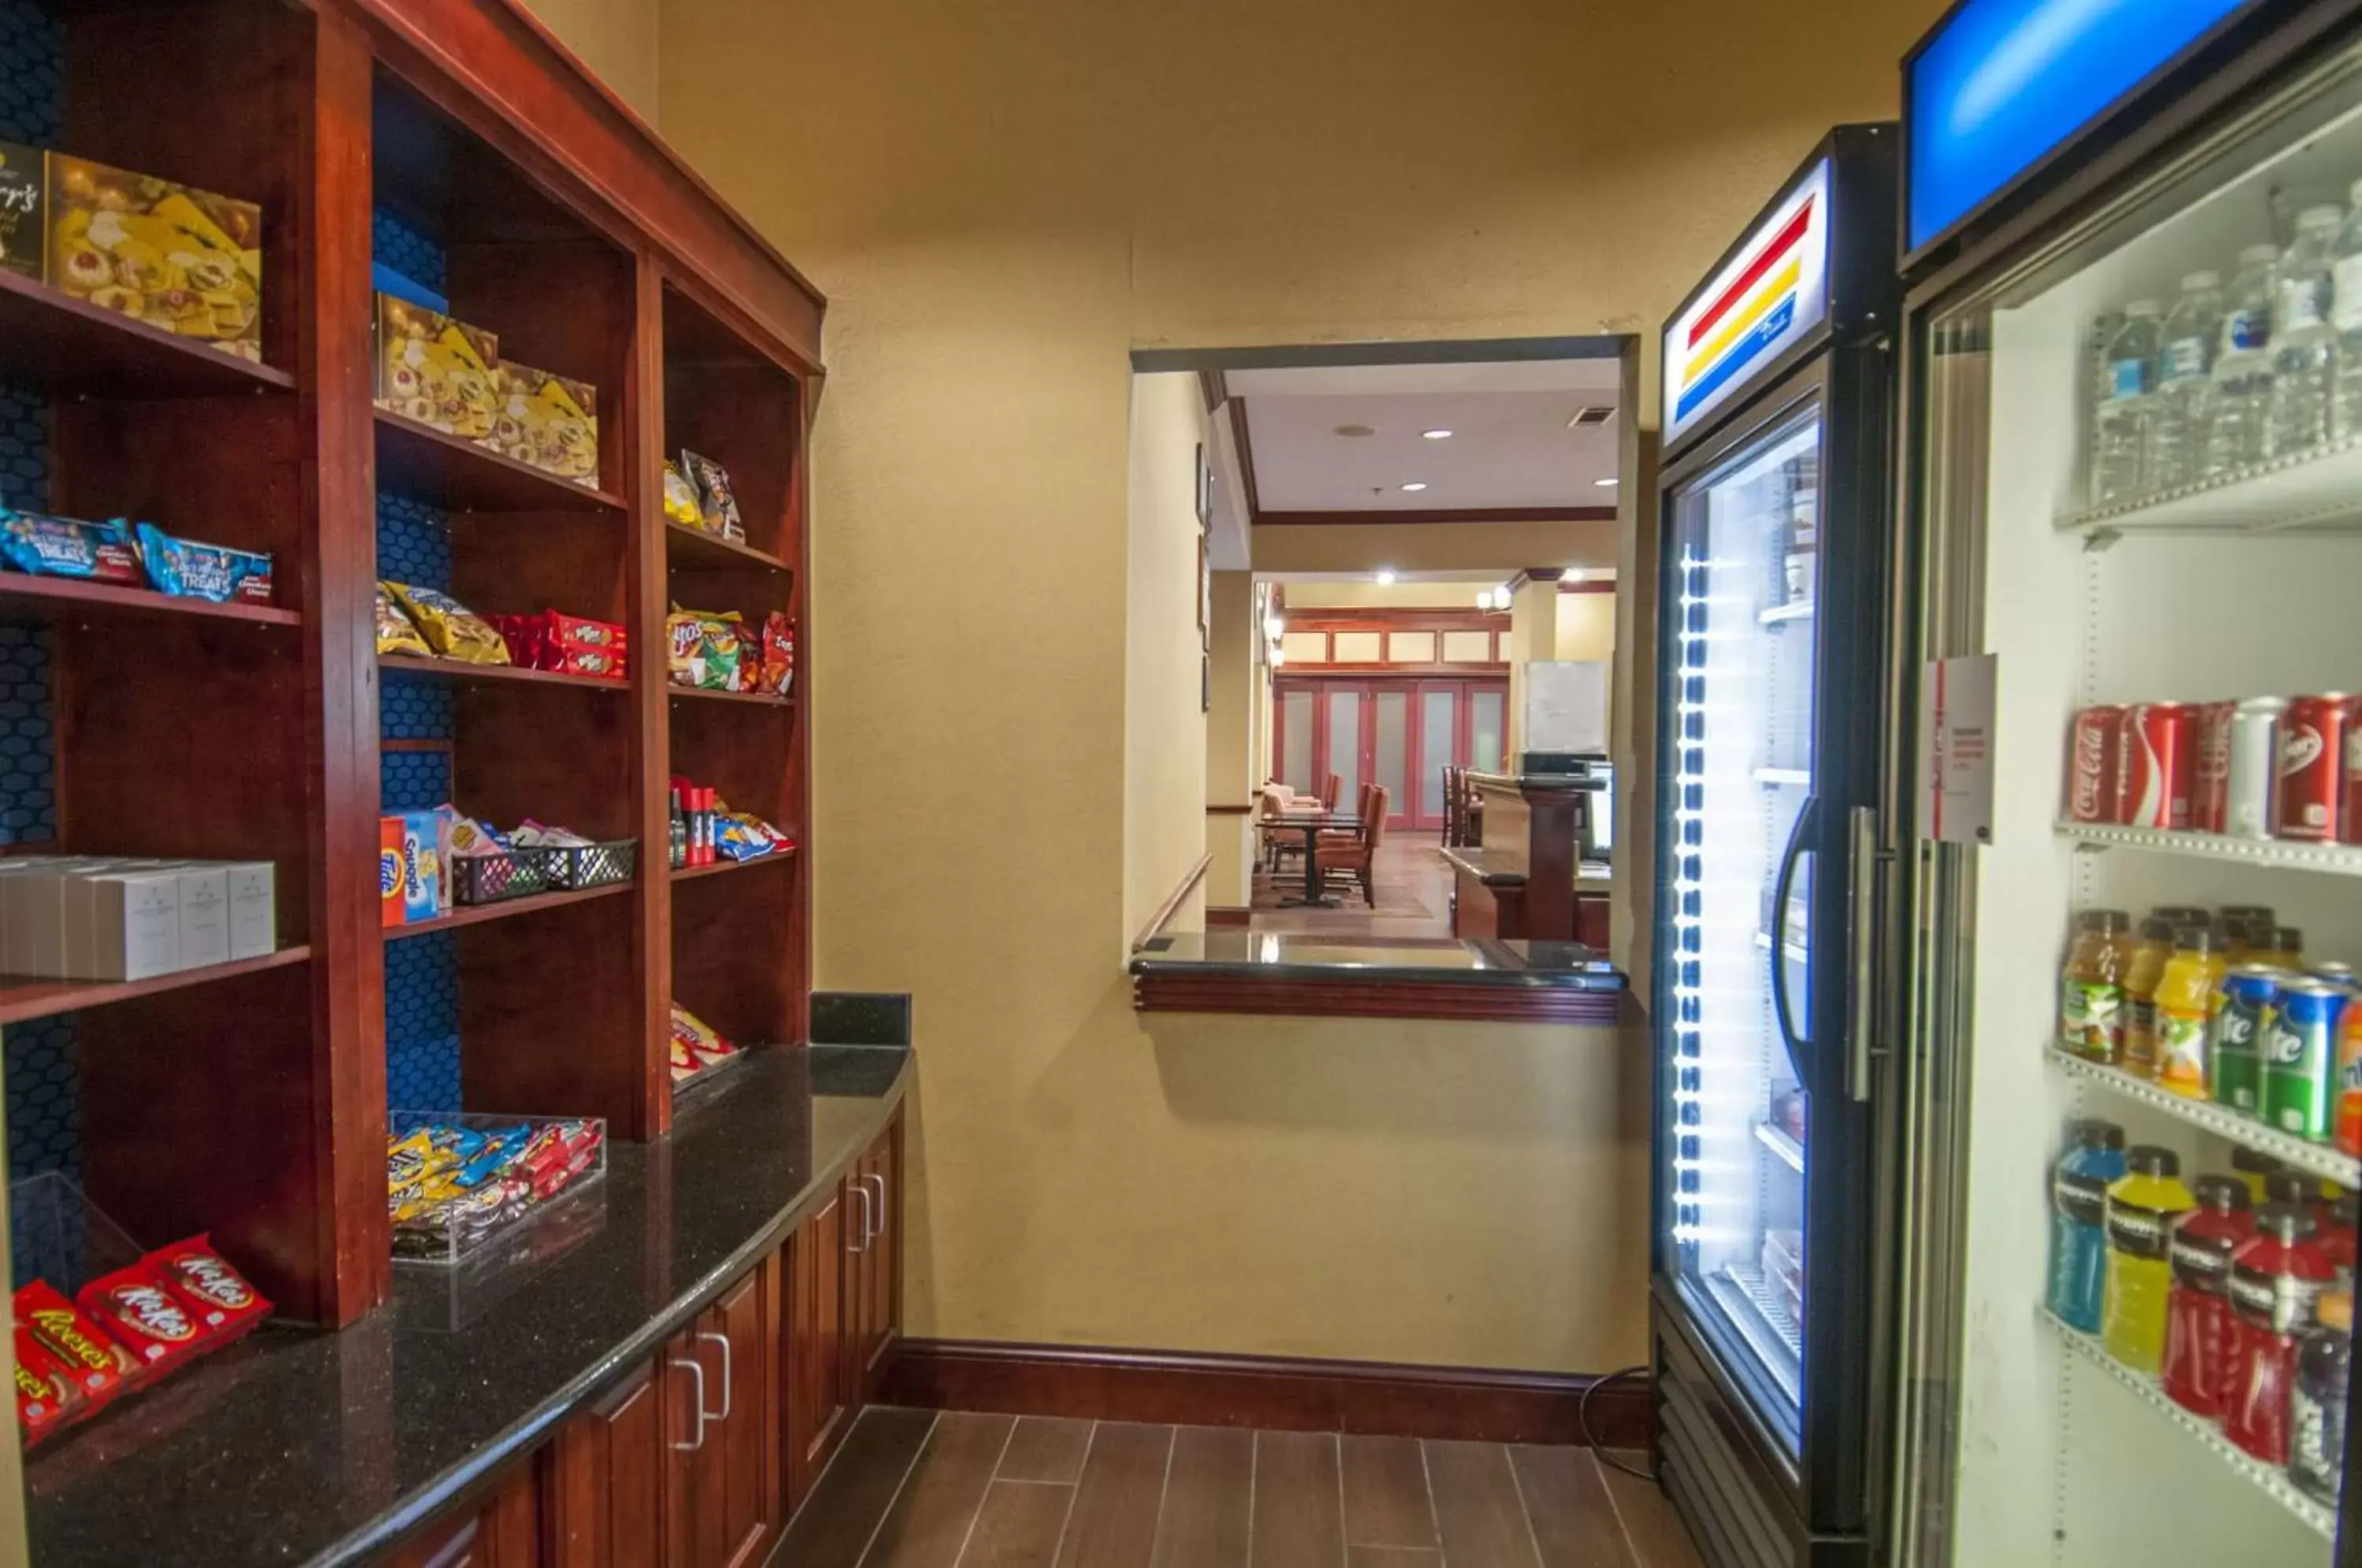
{"x": 1223, "y": 914}
{"x": 1274, "y": 1393}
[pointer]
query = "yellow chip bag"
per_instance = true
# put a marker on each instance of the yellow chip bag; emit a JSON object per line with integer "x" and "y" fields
{"x": 396, "y": 633}
{"x": 454, "y": 630}
{"x": 681, "y": 499}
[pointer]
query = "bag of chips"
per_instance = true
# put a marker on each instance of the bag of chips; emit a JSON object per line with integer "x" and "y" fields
{"x": 715, "y": 500}
{"x": 702, "y": 650}
{"x": 779, "y": 655}
{"x": 681, "y": 499}
{"x": 454, "y": 630}
{"x": 396, "y": 633}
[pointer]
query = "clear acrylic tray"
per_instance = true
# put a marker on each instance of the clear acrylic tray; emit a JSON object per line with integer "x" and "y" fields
{"x": 448, "y": 1238}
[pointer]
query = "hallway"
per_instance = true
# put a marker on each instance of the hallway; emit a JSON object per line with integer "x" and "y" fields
{"x": 1414, "y": 895}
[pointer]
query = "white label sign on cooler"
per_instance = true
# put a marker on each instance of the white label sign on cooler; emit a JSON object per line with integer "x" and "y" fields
{"x": 1771, "y": 293}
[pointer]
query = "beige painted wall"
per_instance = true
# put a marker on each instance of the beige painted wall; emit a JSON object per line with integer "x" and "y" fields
{"x": 1230, "y": 741}
{"x": 616, "y": 38}
{"x": 1001, "y": 202}
{"x": 1164, "y": 775}
{"x": 1432, "y": 547}
{"x": 1586, "y": 625}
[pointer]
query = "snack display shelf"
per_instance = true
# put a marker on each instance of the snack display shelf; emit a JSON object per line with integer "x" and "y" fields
{"x": 2339, "y": 859}
{"x": 57, "y": 598}
{"x": 2271, "y": 1477}
{"x": 2315, "y": 492}
{"x": 2322, "y": 1160}
{"x": 689, "y": 1090}
{"x": 23, "y": 996}
{"x": 1791, "y": 1152}
{"x": 696, "y": 548}
{"x": 476, "y": 914}
{"x": 51, "y": 340}
{"x": 682, "y": 873}
{"x": 457, "y": 475}
{"x": 765, "y": 697}
{"x": 460, "y": 669}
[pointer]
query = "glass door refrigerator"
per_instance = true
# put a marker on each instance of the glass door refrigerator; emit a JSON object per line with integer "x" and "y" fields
{"x": 1776, "y": 502}
{"x": 2131, "y": 787}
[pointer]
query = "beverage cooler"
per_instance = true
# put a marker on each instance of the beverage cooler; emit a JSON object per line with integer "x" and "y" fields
{"x": 2128, "y": 819}
{"x": 1776, "y": 507}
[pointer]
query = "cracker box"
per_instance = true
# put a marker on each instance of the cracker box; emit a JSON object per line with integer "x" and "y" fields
{"x": 550, "y": 422}
{"x": 187, "y": 260}
{"x": 436, "y": 371}
{"x": 24, "y": 210}
{"x": 422, "y": 866}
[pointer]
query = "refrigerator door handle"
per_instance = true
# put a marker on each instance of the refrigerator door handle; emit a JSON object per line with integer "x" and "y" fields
{"x": 1799, "y": 1046}
{"x": 1862, "y": 938}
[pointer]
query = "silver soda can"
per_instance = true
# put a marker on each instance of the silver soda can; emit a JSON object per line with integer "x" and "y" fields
{"x": 2254, "y": 767}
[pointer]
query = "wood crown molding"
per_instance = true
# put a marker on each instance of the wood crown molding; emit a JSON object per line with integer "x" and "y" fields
{"x": 1382, "y": 618}
{"x": 1171, "y": 905}
{"x": 1273, "y": 1393}
{"x": 1435, "y": 514}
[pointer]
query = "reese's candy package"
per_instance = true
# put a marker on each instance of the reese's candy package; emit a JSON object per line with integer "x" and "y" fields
{"x": 147, "y": 1316}
{"x": 46, "y": 1394}
{"x": 454, "y": 630}
{"x": 99, "y": 1366}
{"x": 65, "y": 546}
{"x": 187, "y": 570}
{"x": 224, "y": 1301}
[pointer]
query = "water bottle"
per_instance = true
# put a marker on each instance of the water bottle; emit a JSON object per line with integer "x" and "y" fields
{"x": 2118, "y": 456}
{"x": 2236, "y": 411}
{"x": 2176, "y": 425}
{"x": 2346, "y": 315}
{"x": 2304, "y": 346}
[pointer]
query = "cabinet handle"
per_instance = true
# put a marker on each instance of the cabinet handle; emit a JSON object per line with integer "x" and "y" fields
{"x": 861, "y": 1191}
{"x": 459, "y": 1551}
{"x": 698, "y": 1367}
{"x": 879, "y": 1219}
{"x": 723, "y": 1341}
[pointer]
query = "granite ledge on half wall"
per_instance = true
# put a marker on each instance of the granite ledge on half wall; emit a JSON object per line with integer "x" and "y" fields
{"x": 1486, "y": 979}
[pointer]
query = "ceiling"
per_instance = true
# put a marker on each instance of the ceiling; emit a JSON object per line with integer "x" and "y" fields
{"x": 1510, "y": 450}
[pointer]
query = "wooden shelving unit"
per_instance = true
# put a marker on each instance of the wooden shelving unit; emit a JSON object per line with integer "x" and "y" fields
{"x": 686, "y": 873}
{"x": 460, "y": 669}
{"x": 249, "y": 1101}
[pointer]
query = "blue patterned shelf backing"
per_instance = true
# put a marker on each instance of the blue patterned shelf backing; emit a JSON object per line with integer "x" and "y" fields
{"x": 37, "y": 1059}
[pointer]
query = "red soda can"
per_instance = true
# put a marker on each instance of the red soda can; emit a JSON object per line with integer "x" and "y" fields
{"x": 2312, "y": 766}
{"x": 2209, "y": 787}
{"x": 2350, "y": 820}
{"x": 2092, "y": 765}
{"x": 2154, "y": 764}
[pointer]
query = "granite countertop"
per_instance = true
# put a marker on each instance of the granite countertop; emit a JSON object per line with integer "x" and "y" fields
{"x": 1234, "y": 952}
{"x": 1507, "y": 868}
{"x": 302, "y": 1446}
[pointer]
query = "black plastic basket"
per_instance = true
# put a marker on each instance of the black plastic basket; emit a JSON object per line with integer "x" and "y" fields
{"x": 521, "y": 873}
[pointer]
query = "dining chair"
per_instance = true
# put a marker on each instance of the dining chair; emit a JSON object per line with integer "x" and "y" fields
{"x": 1328, "y": 793}
{"x": 1358, "y": 853}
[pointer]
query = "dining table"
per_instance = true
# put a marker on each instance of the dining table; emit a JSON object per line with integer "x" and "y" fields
{"x": 1312, "y": 824}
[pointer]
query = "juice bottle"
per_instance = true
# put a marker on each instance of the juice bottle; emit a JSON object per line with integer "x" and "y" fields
{"x": 2078, "y": 1213}
{"x": 2185, "y": 995}
{"x": 2092, "y": 988}
{"x": 2275, "y": 1277}
{"x": 2143, "y": 1205}
{"x": 2142, "y": 973}
{"x": 2286, "y": 950}
{"x": 2198, "y": 1310}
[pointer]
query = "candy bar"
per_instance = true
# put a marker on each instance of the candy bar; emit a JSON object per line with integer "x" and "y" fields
{"x": 187, "y": 570}
{"x": 220, "y": 1295}
{"x": 47, "y": 1397}
{"x": 145, "y": 1316}
{"x": 64, "y": 546}
{"x": 99, "y": 1367}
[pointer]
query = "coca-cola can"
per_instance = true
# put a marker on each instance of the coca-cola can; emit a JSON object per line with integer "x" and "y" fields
{"x": 2153, "y": 766}
{"x": 2210, "y": 783}
{"x": 2092, "y": 765}
{"x": 2312, "y": 766}
{"x": 2350, "y": 823}
{"x": 2253, "y": 787}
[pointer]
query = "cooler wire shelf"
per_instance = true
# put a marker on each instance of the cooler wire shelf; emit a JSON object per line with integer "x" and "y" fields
{"x": 2322, "y": 1160}
{"x": 2337, "y": 859}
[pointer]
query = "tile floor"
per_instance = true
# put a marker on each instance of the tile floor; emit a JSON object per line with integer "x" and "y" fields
{"x": 916, "y": 1489}
{"x": 1414, "y": 884}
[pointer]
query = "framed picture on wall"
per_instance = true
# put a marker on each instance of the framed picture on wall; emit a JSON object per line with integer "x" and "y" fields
{"x": 1205, "y": 683}
{"x": 1204, "y": 490}
{"x": 1205, "y": 597}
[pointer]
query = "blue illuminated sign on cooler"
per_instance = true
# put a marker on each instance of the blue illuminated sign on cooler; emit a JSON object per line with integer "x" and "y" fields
{"x": 2003, "y": 82}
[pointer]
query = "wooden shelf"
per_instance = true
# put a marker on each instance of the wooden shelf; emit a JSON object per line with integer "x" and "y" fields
{"x": 683, "y": 873}
{"x": 460, "y": 669}
{"x": 476, "y": 914}
{"x": 2336, "y": 859}
{"x": 459, "y": 476}
{"x": 690, "y": 546}
{"x": 51, "y": 340}
{"x": 23, "y": 998}
{"x": 53, "y": 597}
{"x": 765, "y": 698}
{"x": 2322, "y": 1160}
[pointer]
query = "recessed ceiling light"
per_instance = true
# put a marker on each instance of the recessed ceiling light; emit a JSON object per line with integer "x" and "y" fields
{"x": 1386, "y": 576}
{"x": 1437, "y": 434}
{"x": 1610, "y": 483}
{"x": 1355, "y": 430}
{"x": 1415, "y": 485}
{"x": 1572, "y": 574}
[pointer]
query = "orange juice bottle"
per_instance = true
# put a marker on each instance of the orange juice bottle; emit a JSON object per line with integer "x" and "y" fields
{"x": 2141, "y": 977}
{"x": 2185, "y": 1006}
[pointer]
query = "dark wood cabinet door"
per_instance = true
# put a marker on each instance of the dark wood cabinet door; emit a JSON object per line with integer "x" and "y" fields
{"x": 502, "y": 1532}
{"x": 881, "y": 1261}
{"x": 818, "y": 1292}
{"x": 692, "y": 1514}
{"x": 604, "y": 1480}
{"x": 743, "y": 1331}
